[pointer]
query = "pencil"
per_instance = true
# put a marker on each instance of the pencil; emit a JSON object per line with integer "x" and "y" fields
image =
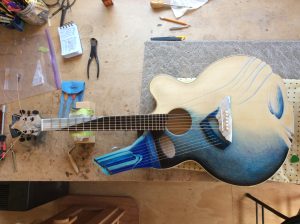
{"x": 174, "y": 21}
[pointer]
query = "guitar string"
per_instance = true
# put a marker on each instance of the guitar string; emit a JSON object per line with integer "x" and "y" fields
{"x": 184, "y": 147}
{"x": 86, "y": 123}
{"x": 167, "y": 148}
{"x": 179, "y": 153}
{"x": 184, "y": 150}
{"x": 160, "y": 141}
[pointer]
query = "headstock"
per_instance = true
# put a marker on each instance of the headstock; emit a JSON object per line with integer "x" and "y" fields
{"x": 26, "y": 125}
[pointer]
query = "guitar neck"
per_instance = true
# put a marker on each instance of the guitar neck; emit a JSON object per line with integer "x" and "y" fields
{"x": 106, "y": 123}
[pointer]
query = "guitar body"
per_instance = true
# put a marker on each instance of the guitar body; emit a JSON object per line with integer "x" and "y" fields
{"x": 262, "y": 123}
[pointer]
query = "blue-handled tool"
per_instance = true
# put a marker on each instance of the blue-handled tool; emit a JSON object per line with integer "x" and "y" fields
{"x": 171, "y": 38}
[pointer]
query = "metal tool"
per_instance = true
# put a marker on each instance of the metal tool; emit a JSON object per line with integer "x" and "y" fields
{"x": 13, "y": 155}
{"x": 157, "y": 4}
{"x": 64, "y": 6}
{"x": 2, "y": 136}
{"x": 179, "y": 27}
{"x": 93, "y": 54}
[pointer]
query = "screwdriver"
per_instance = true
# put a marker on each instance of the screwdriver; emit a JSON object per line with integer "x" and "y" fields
{"x": 2, "y": 136}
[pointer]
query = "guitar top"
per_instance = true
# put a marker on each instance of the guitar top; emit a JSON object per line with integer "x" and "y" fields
{"x": 234, "y": 120}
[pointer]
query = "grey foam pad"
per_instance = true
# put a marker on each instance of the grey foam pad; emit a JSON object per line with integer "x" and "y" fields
{"x": 188, "y": 59}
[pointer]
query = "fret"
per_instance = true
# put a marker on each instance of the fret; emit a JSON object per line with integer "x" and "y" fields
{"x": 136, "y": 121}
{"x": 124, "y": 124}
{"x": 118, "y": 123}
{"x": 90, "y": 123}
{"x": 146, "y": 121}
{"x": 102, "y": 123}
{"x": 159, "y": 121}
{"x": 59, "y": 124}
{"x": 109, "y": 123}
{"x": 115, "y": 117}
{"x": 130, "y": 122}
{"x": 152, "y": 122}
{"x": 97, "y": 123}
{"x": 75, "y": 123}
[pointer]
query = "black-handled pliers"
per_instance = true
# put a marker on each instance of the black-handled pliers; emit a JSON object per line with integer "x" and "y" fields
{"x": 93, "y": 54}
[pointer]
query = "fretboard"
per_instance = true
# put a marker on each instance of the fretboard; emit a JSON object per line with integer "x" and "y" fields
{"x": 106, "y": 123}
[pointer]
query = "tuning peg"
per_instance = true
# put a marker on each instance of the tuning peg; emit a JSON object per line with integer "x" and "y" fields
{"x": 22, "y": 112}
{"x": 35, "y": 112}
{"x": 28, "y": 112}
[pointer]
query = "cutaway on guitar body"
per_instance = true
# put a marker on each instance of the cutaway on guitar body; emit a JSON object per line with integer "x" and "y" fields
{"x": 234, "y": 120}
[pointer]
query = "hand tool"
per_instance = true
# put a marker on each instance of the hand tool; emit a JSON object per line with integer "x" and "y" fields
{"x": 171, "y": 38}
{"x": 93, "y": 54}
{"x": 179, "y": 27}
{"x": 157, "y": 4}
{"x": 64, "y": 6}
{"x": 2, "y": 136}
{"x": 174, "y": 21}
{"x": 13, "y": 155}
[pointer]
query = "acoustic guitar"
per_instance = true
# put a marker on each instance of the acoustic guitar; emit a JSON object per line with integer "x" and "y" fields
{"x": 234, "y": 120}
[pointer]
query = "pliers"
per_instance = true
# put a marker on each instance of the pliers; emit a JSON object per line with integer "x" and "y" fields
{"x": 93, "y": 54}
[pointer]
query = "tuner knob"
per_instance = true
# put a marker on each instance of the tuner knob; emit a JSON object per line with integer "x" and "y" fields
{"x": 22, "y": 112}
{"x": 28, "y": 138}
{"x": 35, "y": 112}
{"x": 28, "y": 112}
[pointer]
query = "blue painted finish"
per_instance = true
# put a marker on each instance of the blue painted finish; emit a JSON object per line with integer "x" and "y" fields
{"x": 276, "y": 106}
{"x": 261, "y": 126}
{"x": 243, "y": 162}
{"x": 141, "y": 154}
{"x": 207, "y": 126}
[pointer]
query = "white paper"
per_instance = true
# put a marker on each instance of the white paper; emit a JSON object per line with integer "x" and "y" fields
{"x": 180, "y": 7}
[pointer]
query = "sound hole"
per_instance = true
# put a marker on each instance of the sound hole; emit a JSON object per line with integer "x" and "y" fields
{"x": 179, "y": 121}
{"x": 167, "y": 147}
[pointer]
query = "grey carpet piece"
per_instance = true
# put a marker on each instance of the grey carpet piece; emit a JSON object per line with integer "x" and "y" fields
{"x": 189, "y": 59}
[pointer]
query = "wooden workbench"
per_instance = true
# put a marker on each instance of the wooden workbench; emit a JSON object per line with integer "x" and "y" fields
{"x": 121, "y": 31}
